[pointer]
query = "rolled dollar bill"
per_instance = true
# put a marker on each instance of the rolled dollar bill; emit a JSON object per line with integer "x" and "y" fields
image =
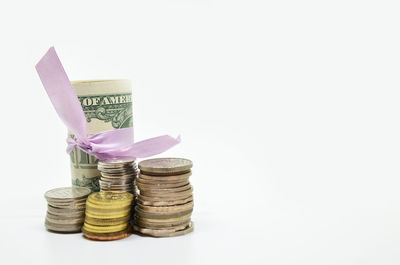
{"x": 107, "y": 105}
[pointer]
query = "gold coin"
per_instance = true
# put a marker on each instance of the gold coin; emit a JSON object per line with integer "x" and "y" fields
{"x": 107, "y": 210}
{"x": 110, "y": 198}
{"x": 105, "y": 229}
{"x": 107, "y": 236}
{"x": 116, "y": 221}
{"x": 116, "y": 206}
{"x": 107, "y": 216}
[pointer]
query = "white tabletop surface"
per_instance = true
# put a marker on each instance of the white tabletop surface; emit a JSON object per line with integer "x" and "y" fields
{"x": 289, "y": 110}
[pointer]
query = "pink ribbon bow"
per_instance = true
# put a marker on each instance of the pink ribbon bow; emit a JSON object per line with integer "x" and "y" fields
{"x": 105, "y": 145}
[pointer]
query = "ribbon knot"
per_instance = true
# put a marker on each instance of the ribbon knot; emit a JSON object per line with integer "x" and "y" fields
{"x": 83, "y": 145}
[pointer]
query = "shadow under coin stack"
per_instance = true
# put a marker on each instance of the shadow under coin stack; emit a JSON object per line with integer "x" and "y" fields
{"x": 108, "y": 215}
{"x": 66, "y": 209}
{"x": 165, "y": 203}
{"x": 118, "y": 175}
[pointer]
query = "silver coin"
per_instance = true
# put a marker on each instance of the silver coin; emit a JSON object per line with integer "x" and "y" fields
{"x": 164, "y": 232}
{"x": 164, "y": 202}
{"x": 140, "y": 213}
{"x": 165, "y": 165}
{"x": 60, "y": 221}
{"x": 63, "y": 228}
{"x": 65, "y": 213}
{"x": 67, "y": 193}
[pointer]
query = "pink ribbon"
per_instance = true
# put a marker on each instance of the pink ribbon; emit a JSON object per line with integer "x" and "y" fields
{"x": 105, "y": 145}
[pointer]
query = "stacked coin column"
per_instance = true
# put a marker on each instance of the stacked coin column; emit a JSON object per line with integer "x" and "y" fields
{"x": 165, "y": 203}
{"x": 118, "y": 175}
{"x": 66, "y": 209}
{"x": 108, "y": 215}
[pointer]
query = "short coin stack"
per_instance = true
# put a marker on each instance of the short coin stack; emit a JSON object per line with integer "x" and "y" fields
{"x": 66, "y": 209}
{"x": 108, "y": 215}
{"x": 117, "y": 175}
{"x": 165, "y": 204}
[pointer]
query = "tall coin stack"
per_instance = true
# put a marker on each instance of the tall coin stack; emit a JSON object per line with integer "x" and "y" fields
{"x": 165, "y": 203}
{"x": 108, "y": 215}
{"x": 66, "y": 209}
{"x": 118, "y": 175}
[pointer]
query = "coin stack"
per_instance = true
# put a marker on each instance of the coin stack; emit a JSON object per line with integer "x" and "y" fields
{"x": 165, "y": 203}
{"x": 66, "y": 209}
{"x": 107, "y": 215}
{"x": 118, "y": 175}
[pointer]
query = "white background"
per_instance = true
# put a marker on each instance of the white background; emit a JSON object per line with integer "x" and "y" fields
{"x": 289, "y": 110}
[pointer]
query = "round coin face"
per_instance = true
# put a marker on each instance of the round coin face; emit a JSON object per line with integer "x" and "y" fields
{"x": 165, "y": 165}
{"x": 108, "y": 197}
{"x": 67, "y": 193}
